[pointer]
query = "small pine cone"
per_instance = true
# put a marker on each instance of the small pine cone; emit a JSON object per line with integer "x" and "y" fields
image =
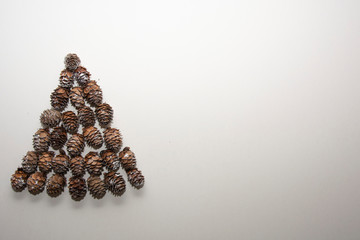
{"x": 18, "y": 180}
{"x": 30, "y": 162}
{"x": 77, "y": 188}
{"x": 93, "y": 93}
{"x": 66, "y": 79}
{"x": 77, "y": 97}
{"x": 70, "y": 121}
{"x": 115, "y": 183}
{"x": 41, "y": 140}
{"x": 94, "y": 163}
{"x": 82, "y": 76}
{"x": 113, "y": 139}
{"x": 45, "y": 161}
{"x": 55, "y": 185}
{"x": 50, "y": 118}
{"x": 60, "y": 163}
{"x": 127, "y": 158}
{"x": 58, "y": 138}
{"x": 86, "y": 116}
{"x": 135, "y": 178}
{"x": 111, "y": 160}
{"x": 72, "y": 61}
{"x": 59, "y": 98}
{"x": 36, "y": 183}
{"x": 75, "y": 145}
{"x": 93, "y": 137}
{"x": 77, "y": 166}
{"x": 96, "y": 187}
{"x": 104, "y": 114}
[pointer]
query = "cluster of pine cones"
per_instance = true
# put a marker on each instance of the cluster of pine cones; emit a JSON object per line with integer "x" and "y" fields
{"x": 60, "y": 131}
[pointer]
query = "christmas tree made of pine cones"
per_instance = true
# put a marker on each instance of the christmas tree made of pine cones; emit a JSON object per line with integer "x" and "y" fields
{"x": 60, "y": 130}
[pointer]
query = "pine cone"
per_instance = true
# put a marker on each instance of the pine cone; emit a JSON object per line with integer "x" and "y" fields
{"x": 41, "y": 140}
{"x": 135, "y": 178}
{"x": 96, "y": 187}
{"x": 86, "y": 116}
{"x": 77, "y": 166}
{"x": 70, "y": 121}
{"x": 66, "y": 79}
{"x": 60, "y": 163}
{"x": 45, "y": 161}
{"x": 50, "y": 118}
{"x": 75, "y": 145}
{"x": 30, "y": 162}
{"x": 113, "y": 139}
{"x": 36, "y": 183}
{"x": 82, "y": 76}
{"x": 58, "y": 138}
{"x": 77, "y": 188}
{"x": 93, "y": 137}
{"x": 18, "y": 180}
{"x": 104, "y": 114}
{"x": 93, "y": 93}
{"x": 55, "y": 185}
{"x": 59, "y": 98}
{"x": 127, "y": 158}
{"x": 77, "y": 97}
{"x": 115, "y": 183}
{"x": 72, "y": 61}
{"x": 111, "y": 160}
{"x": 94, "y": 163}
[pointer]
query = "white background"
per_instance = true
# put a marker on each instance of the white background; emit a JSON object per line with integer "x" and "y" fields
{"x": 244, "y": 116}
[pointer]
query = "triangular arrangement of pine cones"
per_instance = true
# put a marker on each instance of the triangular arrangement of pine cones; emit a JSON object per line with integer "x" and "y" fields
{"x": 60, "y": 130}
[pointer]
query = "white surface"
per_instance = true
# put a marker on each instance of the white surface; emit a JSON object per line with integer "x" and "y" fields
{"x": 244, "y": 116}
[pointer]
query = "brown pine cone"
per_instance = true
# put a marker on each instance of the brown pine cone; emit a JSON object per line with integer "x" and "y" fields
{"x": 82, "y": 76}
{"x": 93, "y": 93}
{"x": 66, "y": 79}
{"x": 59, "y": 98}
{"x": 77, "y": 97}
{"x": 96, "y": 187}
{"x": 77, "y": 166}
{"x": 58, "y": 137}
{"x": 77, "y": 188}
{"x": 72, "y": 61}
{"x": 93, "y": 137}
{"x": 115, "y": 183}
{"x": 41, "y": 140}
{"x": 36, "y": 183}
{"x": 45, "y": 161}
{"x": 30, "y": 162}
{"x": 135, "y": 178}
{"x": 113, "y": 139}
{"x": 111, "y": 160}
{"x": 127, "y": 158}
{"x": 104, "y": 114}
{"x": 60, "y": 163}
{"x": 75, "y": 145}
{"x": 94, "y": 163}
{"x": 86, "y": 116}
{"x": 55, "y": 185}
{"x": 50, "y": 118}
{"x": 70, "y": 121}
{"x": 18, "y": 180}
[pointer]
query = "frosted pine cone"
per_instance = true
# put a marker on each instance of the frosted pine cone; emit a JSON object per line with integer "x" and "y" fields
{"x": 55, "y": 185}
{"x": 75, "y": 145}
{"x": 70, "y": 121}
{"x": 58, "y": 138}
{"x": 104, "y": 114}
{"x": 82, "y": 76}
{"x": 36, "y": 183}
{"x": 93, "y": 93}
{"x": 60, "y": 163}
{"x": 59, "y": 98}
{"x": 77, "y": 97}
{"x": 72, "y": 61}
{"x": 111, "y": 160}
{"x": 41, "y": 140}
{"x": 77, "y": 188}
{"x": 30, "y": 162}
{"x": 113, "y": 139}
{"x": 50, "y": 118}
{"x": 135, "y": 178}
{"x": 115, "y": 183}
{"x": 127, "y": 158}
{"x": 96, "y": 187}
{"x": 93, "y": 137}
{"x": 77, "y": 166}
{"x": 86, "y": 116}
{"x": 45, "y": 161}
{"x": 94, "y": 163}
{"x": 66, "y": 79}
{"x": 18, "y": 180}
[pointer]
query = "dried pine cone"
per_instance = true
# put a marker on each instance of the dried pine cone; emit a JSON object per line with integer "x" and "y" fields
{"x": 72, "y": 61}
{"x": 94, "y": 163}
{"x": 36, "y": 183}
{"x": 93, "y": 93}
{"x": 93, "y": 137}
{"x": 77, "y": 97}
{"x": 60, "y": 163}
{"x": 86, "y": 116}
{"x": 115, "y": 183}
{"x": 70, "y": 121}
{"x": 77, "y": 166}
{"x": 50, "y": 118}
{"x": 127, "y": 158}
{"x": 77, "y": 188}
{"x": 82, "y": 76}
{"x": 59, "y": 98}
{"x": 111, "y": 160}
{"x": 96, "y": 187}
{"x": 55, "y": 185}
{"x": 66, "y": 79}
{"x": 135, "y": 178}
{"x": 30, "y": 162}
{"x": 45, "y": 161}
{"x": 113, "y": 139}
{"x": 18, "y": 180}
{"x": 58, "y": 138}
{"x": 75, "y": 145}
{"x": 104, "y": 114}
{"x": 41, "y": 140}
